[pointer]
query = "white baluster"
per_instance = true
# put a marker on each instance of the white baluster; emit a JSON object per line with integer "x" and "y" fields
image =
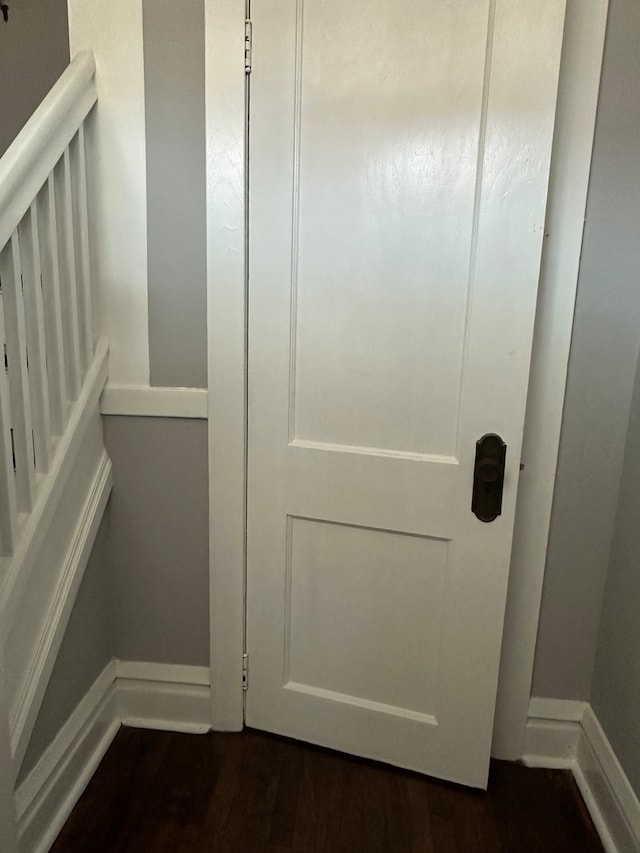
{"x": 16, "y": 339}
{"x": 8, "y": 508}
{"x": 36, "y": 344}
{"x": 81, "y": 221}
{"x": 68, "y": 283}
{"x": 48, "y": 232}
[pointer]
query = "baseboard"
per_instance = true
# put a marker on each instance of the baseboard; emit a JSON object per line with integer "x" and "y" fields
{"x": 40, "y": 667}
{"x": 553, "y": 733}
{"x": 164, "y": 696}
{"x": 149, "y": 401}
{"x": 606, "y": 789}
{"x": 565, "y": 710}
{"x": 47, "y": 795}
{"x": 164, "y": 672}
{"x": 550, "y": 743}
{"x": 559, "y": 740}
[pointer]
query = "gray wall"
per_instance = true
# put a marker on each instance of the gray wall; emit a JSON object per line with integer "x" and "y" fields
{"x": 86, "y": 649}
{"x": 144, "y": 595}
{"x": 602, "y": 366}
{"x": 174, "y": 104}
{"x": 145, "y": 592}
{"x": 159, "y": 539}
{"x": 34, "y": 51}
{"x": 615, "y": 693}
{"x": 159, "y": 508}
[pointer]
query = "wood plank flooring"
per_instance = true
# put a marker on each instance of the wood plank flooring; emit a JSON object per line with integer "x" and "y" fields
{"x": 159, "y": 791}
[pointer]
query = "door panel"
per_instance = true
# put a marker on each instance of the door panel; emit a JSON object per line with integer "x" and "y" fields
{"x": 398, "y": 173}
{"x": 378, "y": 179}
{"x": 341, "y": 582}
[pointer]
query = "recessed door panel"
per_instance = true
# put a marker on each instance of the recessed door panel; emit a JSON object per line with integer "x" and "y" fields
{"x": 364, "y": 611}
{"x": 386, "y": 169}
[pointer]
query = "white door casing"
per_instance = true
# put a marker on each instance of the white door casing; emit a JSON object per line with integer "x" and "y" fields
{"x": 398, "y": 176}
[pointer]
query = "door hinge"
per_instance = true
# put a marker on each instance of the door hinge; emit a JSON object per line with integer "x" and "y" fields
{"x": 245, "y": 671}
{"x": 248, "y": 46}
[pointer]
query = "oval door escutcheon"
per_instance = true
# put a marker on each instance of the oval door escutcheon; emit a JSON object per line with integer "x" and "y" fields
{"x": 488, "y": 477}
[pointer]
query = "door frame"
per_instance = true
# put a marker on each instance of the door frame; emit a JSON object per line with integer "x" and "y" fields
{"x": 226, "y": 322}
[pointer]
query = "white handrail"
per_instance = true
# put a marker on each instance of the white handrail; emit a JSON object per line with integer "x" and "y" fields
{"x": 46, "y": 328}
{"x": 30, "y": 158}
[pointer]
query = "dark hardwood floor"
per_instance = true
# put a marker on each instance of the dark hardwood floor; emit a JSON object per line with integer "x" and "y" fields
{"x": 158, "y": 791}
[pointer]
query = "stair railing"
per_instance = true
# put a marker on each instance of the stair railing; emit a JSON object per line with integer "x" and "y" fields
{"x": 46, "y": 317}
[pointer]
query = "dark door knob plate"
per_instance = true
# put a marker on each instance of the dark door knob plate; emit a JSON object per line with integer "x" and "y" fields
{"x": 488, "y": 477}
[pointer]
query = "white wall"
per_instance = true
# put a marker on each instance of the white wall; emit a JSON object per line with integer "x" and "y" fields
{"x": 117, "y": 178}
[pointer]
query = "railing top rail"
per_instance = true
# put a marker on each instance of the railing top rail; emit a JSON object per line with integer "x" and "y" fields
{"x": 29, "y": 159}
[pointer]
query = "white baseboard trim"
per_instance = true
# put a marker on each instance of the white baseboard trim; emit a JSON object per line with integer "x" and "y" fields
{"x": 552, "y": 733}
{"x": 164, "y": 696}
{"x": 551, "y": 743}
{"x": 566, "y": 710}
{"x": 148, "y": 401}
{"x": 76, "y": 559}
{"x": 49, "y": 792}
{"x": 46, "y": 797}
{"x": 560, "y": 740}
{"x": 164, "y": 672}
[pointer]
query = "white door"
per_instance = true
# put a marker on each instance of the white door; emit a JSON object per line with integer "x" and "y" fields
{"x": 399, "y": 156}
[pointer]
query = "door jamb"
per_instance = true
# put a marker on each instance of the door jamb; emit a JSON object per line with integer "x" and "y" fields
{"x": 226, "y": 335}
{"x": 571, "y": 158}
{"x": 578, "y": 88}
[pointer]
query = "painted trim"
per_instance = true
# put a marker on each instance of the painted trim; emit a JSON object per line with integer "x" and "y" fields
{"x": 578, "y": 90}
{"x": 568, "y": 710}
{"x": 552, "y": 733}
{"x": 226, "y": 337}
{"x": 603, "y": 781}
{"x": 573, "y": 142}
{"x": 146, "y": 704}
{"x": 59, "y": 610}
{"x": 30, "y": 158}
{"x": 583, "y": 748}
{"x": 170, "y": 697}
{"x": 31, "y": 787}
{"x": 164, "y": 672}
{"x": 148, "y": 401}
{"x": 47, "y": 795}
{"x": 20, "y": 565}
